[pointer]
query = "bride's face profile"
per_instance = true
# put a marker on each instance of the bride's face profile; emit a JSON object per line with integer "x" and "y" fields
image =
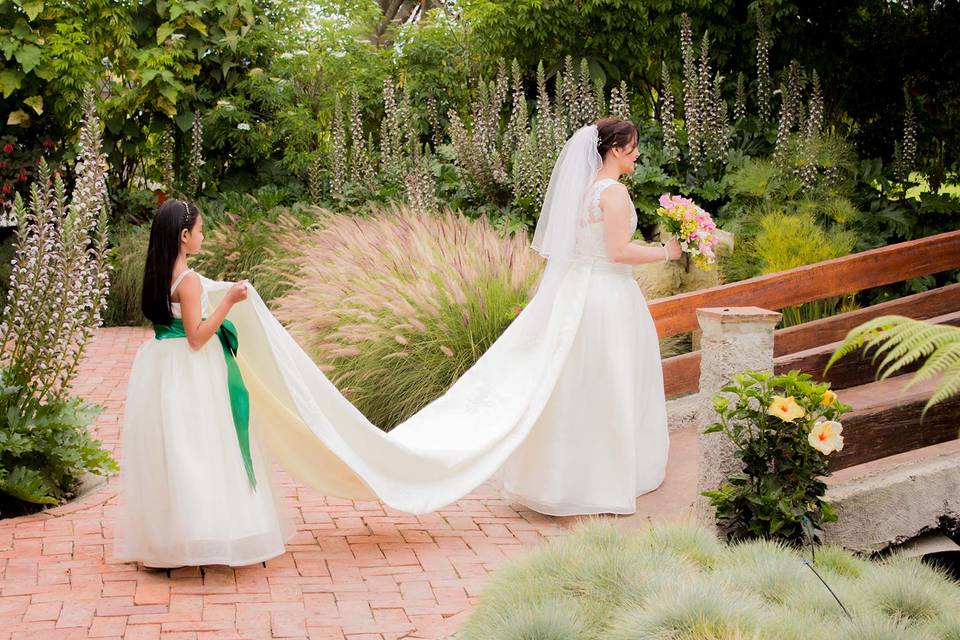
{"x": 617, "y": 144}
{"x": 624, "y": 158}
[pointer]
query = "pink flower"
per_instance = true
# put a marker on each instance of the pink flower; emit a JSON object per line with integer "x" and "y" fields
{"x": 8, "y": 148}
{"x": 665, "y": 201}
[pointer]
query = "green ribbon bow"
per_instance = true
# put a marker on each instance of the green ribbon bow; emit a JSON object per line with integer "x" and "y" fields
{"x": 239, "y": 397}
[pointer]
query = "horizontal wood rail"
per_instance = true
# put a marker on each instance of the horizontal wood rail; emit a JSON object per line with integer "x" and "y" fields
{"x": 874, "y": 268}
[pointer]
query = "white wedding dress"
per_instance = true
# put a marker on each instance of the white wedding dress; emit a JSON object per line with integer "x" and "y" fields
{"x": 602, "y": 437}
{"x": 185, "y": 498}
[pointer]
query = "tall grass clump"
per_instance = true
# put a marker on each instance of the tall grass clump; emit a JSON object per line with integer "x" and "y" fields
{"x": 128, "y": 255}
{"x": 395, "y": 306}
{"x": 249, "y": 248}
{"x": 678, "y": 582}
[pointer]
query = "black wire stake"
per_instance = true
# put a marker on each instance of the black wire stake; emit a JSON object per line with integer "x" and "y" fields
{"x": 810, "y": 564}
{"x": 808, "y": 533}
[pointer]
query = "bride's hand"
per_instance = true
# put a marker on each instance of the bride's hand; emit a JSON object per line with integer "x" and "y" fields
{"x": 673, "y": 249}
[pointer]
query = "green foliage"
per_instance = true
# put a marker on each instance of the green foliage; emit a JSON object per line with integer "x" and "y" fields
{"x": 44, "y": 448}
{"x": 903, "y": 341}
{"x": 784, "y": 241}
{"x": 128, "y": 256}
{"x": 396, "y": 305}
{"x": 622, "y": 41}
{"x": 778, "y": 494}
{"x": 599, "y": 583}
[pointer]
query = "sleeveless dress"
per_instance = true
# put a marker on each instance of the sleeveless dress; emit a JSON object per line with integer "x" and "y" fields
{"x": 185, "y": 498}
{"x": 602, "y": 438}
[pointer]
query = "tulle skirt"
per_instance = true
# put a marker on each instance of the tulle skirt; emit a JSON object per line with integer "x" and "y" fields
{"x": 185, "y": 498}
{"x": 602, "y": 438}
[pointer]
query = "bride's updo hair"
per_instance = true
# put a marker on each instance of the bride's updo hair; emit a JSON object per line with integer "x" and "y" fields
{"x": 613, "y": 133}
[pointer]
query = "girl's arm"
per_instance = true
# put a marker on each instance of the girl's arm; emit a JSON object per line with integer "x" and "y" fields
{"x": 198, "y": 330}
{"x": 617, "y": 232}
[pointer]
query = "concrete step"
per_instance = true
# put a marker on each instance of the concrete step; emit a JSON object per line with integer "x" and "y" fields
{"x": 890, "y": 500}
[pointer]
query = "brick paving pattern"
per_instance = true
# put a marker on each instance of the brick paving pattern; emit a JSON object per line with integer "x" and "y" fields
{"x": 354, "y": 570}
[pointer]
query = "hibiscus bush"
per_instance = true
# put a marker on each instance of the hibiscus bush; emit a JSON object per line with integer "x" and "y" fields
{"x": 783, "y": 428}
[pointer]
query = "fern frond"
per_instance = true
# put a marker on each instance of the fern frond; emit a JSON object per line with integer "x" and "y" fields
{"x": 863, "y": 337}
{"x": 902, "y": 341}
{"x": 948, "y": 387}
{"x": 905, "y": 343}
{"x": 945, "y": 358}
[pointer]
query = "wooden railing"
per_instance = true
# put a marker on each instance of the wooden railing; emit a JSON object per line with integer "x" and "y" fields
{"x": 850, "y": 274}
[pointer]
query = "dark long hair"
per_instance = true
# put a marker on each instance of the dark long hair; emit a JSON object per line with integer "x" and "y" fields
{"x": 613, "y": 133}
{"x": 171, "y": 219}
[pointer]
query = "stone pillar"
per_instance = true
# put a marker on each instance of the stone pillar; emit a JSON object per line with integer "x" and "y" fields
{"x": 734, "y": 339}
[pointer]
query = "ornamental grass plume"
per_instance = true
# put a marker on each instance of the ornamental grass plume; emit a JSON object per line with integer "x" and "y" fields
{"x": 395, "y": 306}
{"x": 60, "y": 276}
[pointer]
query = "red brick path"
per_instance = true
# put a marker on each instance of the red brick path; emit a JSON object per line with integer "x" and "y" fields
{"x": 355, "y": 570}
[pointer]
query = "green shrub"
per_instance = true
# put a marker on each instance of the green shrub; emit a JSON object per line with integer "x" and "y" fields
{"x": 773, "y": 423}
{"x": 44, "y": 449}
{"x": 778, "y": 241}
{"x": 57, "y": 292}
{"x": 748, "y": 591}
{"x": 398, "y": 304}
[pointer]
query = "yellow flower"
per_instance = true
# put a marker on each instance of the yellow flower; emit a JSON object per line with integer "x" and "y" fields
{"x": 829, "y": 397}
{"x": 786, "y": 409}
{"x": 825, "y": 437}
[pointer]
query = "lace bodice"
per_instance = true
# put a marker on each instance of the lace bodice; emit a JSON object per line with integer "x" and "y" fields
{"x": 590, "y": 242}
{"x": 204, "y": 298}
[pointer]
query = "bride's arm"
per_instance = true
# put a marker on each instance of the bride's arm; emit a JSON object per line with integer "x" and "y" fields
{"x": 617, "y": 231}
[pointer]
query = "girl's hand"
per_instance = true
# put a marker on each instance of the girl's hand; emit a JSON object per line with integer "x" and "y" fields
{"x": 673, "y": 249}
{"x": 237, "y": 293}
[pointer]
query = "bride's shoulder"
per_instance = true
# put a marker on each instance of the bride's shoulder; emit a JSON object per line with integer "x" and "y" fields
{"x": 611, "y": 189}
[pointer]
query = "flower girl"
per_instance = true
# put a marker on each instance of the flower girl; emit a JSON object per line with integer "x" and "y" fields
{"x": 194, "y": 488}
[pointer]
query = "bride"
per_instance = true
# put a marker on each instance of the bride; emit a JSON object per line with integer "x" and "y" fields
{"x": 602, "y": 437}
{"x": 565, "y": 411}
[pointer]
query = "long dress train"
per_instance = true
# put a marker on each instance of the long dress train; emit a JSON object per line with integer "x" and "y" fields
{"x": 567, "y": 405}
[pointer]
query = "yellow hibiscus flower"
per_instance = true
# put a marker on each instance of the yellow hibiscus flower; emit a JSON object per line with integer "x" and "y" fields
{"x": 786, "y": 409}
{"x": 829, "y": 397}
{"x": 825, "y": 437}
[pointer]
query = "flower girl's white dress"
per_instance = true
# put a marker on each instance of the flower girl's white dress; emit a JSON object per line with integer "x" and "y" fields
{"x": 185, "y": 496}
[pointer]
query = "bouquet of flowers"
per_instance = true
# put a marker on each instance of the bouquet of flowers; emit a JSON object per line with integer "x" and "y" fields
{"x": 692, "y": 226}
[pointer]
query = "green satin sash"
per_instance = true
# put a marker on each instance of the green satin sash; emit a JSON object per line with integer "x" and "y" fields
{"x": 239, "y": 397}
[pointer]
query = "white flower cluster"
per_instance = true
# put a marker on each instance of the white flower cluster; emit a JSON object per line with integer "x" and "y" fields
{"x": 704, "y": 109}
{"x": 666, "y": 114}
{"x": 809, "y": 169}
{"x": 338, "y": 159}
{"x": 764, "y": 80}
{"x": 196, "y": 156}
{"x": 905, "y": 152}
{"x": 361, "y": 165}
{"x": 60, "y": 277}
